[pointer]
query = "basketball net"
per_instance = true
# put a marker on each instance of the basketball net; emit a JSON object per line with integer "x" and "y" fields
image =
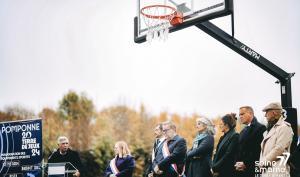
{"x": 157, "y": 19}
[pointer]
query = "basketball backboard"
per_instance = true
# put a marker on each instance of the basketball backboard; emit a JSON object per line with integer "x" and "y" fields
{"x": 193, "y": 12}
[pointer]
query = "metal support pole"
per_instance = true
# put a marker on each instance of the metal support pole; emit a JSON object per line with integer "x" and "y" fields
{"x": 257, "y": 59}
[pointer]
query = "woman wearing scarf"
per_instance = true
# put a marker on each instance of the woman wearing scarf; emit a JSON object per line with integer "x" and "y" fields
{"x": 200, "y": 155}
{"x": 123, "y": 164}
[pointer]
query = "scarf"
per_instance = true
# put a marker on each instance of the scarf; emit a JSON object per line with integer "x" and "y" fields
{"x": 199, "y": 137}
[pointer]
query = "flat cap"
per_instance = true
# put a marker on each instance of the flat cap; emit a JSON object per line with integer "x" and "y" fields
{"x": 272, "y": 106}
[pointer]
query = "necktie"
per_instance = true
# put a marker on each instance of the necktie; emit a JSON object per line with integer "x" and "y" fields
{"x": 156, "y": 145}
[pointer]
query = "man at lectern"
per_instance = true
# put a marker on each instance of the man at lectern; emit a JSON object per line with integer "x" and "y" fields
{"x": 65, "y": 154}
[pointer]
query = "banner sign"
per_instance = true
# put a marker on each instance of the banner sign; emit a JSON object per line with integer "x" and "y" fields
{"x": 21, "y": 148}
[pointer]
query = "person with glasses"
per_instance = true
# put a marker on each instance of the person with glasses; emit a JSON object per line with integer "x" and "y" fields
{"x": 226, "y": 152}
{"x": 249, "y": 142}
{"x": 123, "y": 164}
{"x": 64, "y": 154}
{"x": 171, "y": 159}
{"x": 200, "y": 155}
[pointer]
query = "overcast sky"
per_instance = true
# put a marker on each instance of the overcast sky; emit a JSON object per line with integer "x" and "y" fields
{"x": 48, "y": 47}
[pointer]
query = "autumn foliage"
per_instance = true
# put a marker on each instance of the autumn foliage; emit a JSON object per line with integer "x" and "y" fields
{"x": 93, "y": 133}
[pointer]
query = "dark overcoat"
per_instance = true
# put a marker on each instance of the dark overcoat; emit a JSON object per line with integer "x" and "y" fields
{"x": 226, "y": 153}
{"x": 249, "y": 147}
{"x": 199, "y": 158}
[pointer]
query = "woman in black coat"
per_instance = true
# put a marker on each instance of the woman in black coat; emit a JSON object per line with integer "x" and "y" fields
{"x": 226, "y": 152}
{"x": 199, "y": 157}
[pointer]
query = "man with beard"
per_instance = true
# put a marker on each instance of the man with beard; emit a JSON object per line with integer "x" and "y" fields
{"x": 276, "y": 143}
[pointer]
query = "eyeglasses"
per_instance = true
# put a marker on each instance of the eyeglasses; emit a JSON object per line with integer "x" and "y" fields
{"x": 165, "y": 130}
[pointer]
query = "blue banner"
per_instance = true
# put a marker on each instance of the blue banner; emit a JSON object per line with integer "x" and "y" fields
{"x": 21, "y": 148}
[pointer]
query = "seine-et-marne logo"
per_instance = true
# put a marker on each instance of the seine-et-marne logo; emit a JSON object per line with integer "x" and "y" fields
{"x": 277, "y": 168}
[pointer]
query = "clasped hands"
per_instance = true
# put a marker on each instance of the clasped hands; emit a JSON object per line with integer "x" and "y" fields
{"x": 76, "y": 174}
{"x": 240, "y": 166}
{"x": 214, "y": 174}
{"x": 157, "y": 170}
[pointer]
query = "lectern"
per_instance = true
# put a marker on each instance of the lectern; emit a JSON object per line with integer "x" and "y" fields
{"x": 65, "y": 169}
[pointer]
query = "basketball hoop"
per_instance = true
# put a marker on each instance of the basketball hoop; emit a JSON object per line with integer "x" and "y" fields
{"x": 158, "y": 19}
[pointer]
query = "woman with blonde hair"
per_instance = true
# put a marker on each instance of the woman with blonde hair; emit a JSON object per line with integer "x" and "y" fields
{"x": 199, "y": 157}
{"x": 123, "y": 164}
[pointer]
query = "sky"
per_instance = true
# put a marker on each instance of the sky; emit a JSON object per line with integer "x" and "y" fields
{"x": 48, "y": 47}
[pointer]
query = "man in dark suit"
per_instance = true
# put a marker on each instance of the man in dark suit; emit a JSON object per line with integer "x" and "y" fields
{"x": 169, "y": 161}
{"x": 249, "y": 143}
{"x": 159, "y": 139}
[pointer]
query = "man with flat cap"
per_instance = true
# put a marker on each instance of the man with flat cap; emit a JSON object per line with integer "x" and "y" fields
{"x": 275, "y": 147}
{"x": 64, "y": 154}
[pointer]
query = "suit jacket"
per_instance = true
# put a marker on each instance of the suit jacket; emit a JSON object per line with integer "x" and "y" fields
{"x": 226, "y": 153}
{"x": 157, "y": 145}
{"x": 156, "y": 148}
{"x": 199, "y": 158}
{"x": 277, "y": 141}
{"x": 249, "y": 147}
{"x": 177, "y": 148}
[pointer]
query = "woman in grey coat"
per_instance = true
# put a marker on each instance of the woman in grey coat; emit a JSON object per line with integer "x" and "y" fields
{"x": 200, "y": 155}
